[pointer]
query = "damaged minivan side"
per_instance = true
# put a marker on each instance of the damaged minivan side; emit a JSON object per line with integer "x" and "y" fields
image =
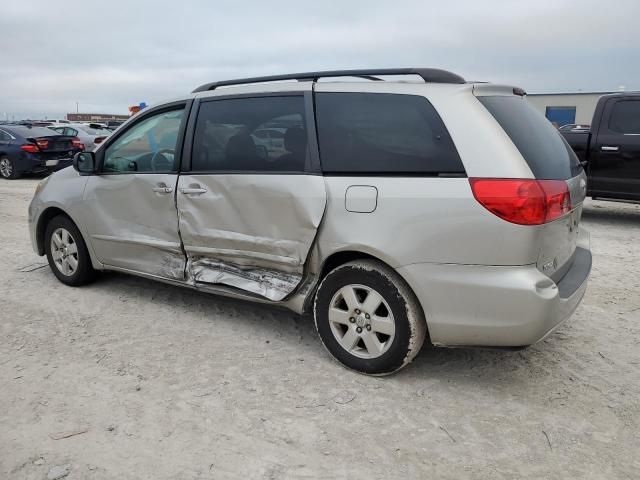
{"x": 392, "y": 210}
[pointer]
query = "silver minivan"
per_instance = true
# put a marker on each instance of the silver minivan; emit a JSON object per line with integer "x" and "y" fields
{"x": 404, "y": 204}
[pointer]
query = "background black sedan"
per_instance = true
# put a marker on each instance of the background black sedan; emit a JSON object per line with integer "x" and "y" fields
{"x": 29, "y": 149}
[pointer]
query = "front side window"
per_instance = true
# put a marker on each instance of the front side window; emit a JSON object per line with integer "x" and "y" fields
{"x": 364, "y": 133}
{"x": 146, "y": 147}
{"x": 625, "y": 117}
{"x": 262, "y": 134}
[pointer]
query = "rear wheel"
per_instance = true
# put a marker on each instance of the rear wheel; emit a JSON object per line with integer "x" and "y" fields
{"x": 67, "y": 253}
{"x": 7, "y": 169}
{"x": 368, "y": 318}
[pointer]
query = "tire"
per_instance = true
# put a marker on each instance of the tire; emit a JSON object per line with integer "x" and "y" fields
{"x": 67, "y": 254}
{"x": 388, "y": 312}
{"x": 8, "y": 169}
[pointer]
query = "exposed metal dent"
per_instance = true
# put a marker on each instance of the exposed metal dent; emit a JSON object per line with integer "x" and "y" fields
{"x": 242, "y": 254}
{"x": 268, "y": 283}
{"x": 294, "y": 303}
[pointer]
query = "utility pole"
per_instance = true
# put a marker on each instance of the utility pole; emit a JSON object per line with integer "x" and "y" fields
{"x": 77, "y": 107}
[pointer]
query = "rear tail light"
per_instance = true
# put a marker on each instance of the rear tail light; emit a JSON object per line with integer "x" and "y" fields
{"x": 42, "y": 143}
{"x": 98, "y": 140}
{"x": 523, "y": 201}
{"x": 30, "y": 148}
{"x": 76, "y": 143}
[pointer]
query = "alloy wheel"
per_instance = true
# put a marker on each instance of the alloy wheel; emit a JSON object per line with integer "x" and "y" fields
{"x": 361, "y": 321}
{"x": 64, "y": 252}
{"x": 6, "y": 168}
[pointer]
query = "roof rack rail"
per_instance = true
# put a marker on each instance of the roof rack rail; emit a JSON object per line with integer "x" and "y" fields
{"x": 429, "y": 75}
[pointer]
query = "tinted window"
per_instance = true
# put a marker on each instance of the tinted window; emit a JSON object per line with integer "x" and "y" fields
{"x": 147, "y": 146}
{"x": 4, "y": 137}
{"x": 383, "y": 133}
{"x": 625, "y": 117}
{"x": 542, "y": 146}
{"x": 251, "y": 134}
{"x": 31, "y": 132}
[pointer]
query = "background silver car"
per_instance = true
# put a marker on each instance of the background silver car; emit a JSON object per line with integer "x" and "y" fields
{"x": 399, "y": 210}
{"x": 91, "y": 135}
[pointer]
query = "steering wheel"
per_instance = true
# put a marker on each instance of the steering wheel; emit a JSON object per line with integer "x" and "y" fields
{"x": 160, "y": 162}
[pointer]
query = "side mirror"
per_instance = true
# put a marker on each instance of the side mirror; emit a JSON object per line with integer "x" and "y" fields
{"x": 84, "y": 162}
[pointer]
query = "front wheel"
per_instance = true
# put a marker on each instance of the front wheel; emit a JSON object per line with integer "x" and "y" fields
{"x": 368, "y": 318}
{"x": 67, "y": 253}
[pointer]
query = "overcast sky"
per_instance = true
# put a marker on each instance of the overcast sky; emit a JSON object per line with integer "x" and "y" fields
{"x": 111, "y": 54}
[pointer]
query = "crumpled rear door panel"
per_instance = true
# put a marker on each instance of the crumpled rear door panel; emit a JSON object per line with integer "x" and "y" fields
{"x": 249, "y": 231}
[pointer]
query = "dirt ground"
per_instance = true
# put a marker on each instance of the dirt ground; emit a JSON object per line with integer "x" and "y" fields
{"x": 157, "y": 382}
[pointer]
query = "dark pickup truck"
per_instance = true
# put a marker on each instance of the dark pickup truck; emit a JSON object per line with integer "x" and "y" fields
{"x": 610, "y": 151}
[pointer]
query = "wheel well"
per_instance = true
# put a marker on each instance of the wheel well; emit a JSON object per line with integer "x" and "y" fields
{"x": 333, "y": 261}
{"x": 340, "y": 258}
{"x": 43, "y": 221}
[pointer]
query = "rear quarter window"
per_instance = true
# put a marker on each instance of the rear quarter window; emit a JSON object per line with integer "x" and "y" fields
{"x": 376, "y": 133}
{"x": 544, "y": 149}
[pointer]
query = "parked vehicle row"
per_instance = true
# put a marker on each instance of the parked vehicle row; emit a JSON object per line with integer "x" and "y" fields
{"x": 610, "y": 149}
{"x": 27, "y": 149}
{"x": 393, "y": 211}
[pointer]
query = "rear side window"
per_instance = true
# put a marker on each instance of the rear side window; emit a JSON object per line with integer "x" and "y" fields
{"x": 383, "y": 133}
{"x": 544, "y": 149}
{"x": 625, "y": 117}
{"x": 263, "y": 134}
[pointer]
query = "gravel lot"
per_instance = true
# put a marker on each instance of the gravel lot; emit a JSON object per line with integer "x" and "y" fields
{"x": 158, "y": 382}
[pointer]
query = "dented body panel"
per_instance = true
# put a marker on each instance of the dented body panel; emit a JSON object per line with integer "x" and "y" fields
{"x": 132, "y": 226}
{"x": 252, "y": 232}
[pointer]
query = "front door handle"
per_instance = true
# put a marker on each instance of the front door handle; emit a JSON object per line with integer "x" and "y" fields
{"x": 193, "y": 191}
{"x": 162, "y": 189}
{"x": 609, "y": 148}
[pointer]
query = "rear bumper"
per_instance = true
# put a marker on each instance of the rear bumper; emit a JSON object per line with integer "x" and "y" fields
{"x": 58, "y": 164}
{"x": 502, "y": 306}
{"x": 34, "y": 164}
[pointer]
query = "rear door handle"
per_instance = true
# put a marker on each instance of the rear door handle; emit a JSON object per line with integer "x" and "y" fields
{"x": 193, "y": 191}
{"x": 162, "y": 189}
{"x": 609, "y": 148}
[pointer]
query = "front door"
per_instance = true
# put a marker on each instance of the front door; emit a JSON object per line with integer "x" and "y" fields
{"x": 132, "y": 218}
{"x": 614, "y": 166}
{"x": 249, "y": 212}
